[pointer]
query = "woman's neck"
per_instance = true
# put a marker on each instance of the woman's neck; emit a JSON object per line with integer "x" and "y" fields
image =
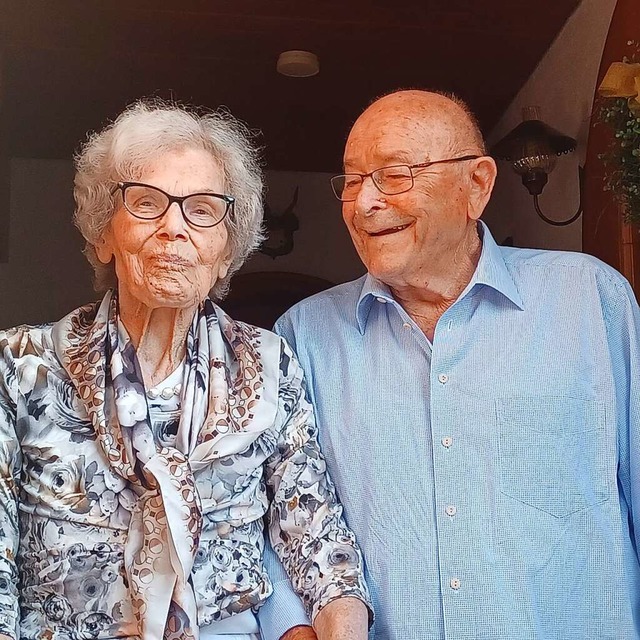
{"x": 159, "y": 336}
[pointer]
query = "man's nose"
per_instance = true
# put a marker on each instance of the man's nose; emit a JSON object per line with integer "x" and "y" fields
{"x": 369, "y": 199}
{"x": 172, "y": 224}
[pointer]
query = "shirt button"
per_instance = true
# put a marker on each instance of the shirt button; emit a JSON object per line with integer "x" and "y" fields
{"x": 451, "y": 510}
{"x": 406, "y": 325}
{"x": 443, "y": 378}
{"x": 454, "y": 583}
{"x": 447, "y": 441}
{"x": 381, "y": 300}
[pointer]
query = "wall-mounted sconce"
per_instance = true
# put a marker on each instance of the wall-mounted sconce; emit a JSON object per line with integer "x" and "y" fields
{"x": 533, "y": 148}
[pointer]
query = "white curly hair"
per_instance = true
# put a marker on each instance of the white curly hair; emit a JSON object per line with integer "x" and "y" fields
{"x": 145, "y": 130}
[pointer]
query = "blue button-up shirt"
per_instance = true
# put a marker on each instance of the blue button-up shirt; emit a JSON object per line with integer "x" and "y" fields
{"x": 492, "y": 478}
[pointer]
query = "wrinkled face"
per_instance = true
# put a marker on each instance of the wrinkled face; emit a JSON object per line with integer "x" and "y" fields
{"x": 167, "y": 262}
{"x": 400, "y": 237}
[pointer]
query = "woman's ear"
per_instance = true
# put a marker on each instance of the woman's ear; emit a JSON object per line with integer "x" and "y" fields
{"x": 223, "y": 266}
{"x": 103, "y": 248}
{"x": 483, "y": 177}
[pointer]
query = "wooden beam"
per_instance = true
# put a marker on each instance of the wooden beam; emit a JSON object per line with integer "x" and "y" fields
{"x": 604, "y": 233}
{"x": 205, "y": 29}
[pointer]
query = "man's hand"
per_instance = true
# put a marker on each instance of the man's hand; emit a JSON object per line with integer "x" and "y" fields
{"x": 296, "y": 633}
{"x": 343, "y": 619}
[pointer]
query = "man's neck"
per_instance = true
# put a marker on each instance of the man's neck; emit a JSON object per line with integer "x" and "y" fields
{"x": 426, "y": 299}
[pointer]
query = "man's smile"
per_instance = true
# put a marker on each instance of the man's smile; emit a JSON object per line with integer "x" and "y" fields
{"x": 386, "y": 232}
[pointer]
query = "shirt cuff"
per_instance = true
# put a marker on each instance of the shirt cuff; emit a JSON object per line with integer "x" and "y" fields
{"x": 282, "y": 611}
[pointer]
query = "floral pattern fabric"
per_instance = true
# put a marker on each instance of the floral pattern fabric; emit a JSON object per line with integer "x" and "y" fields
{"x": 107, "y": 532}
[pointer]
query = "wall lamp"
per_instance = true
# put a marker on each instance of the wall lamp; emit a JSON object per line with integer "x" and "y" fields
{"x": 533, "y": 148}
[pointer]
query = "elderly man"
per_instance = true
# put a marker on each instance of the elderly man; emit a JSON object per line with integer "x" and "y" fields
{"x": 479, "y": 406}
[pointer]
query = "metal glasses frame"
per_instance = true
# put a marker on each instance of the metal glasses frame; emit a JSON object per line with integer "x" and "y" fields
{"x": 371, "y": 174}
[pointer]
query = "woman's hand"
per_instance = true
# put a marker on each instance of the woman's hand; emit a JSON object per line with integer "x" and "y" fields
{"x": 343, "y": 619}
{"x": 296, "y": 633}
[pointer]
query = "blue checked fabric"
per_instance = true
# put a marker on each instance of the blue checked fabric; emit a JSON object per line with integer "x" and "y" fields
{"x": 492, "y": 477}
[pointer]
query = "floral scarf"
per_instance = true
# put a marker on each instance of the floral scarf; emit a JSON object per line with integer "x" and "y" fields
{"x": 222, "y": 385}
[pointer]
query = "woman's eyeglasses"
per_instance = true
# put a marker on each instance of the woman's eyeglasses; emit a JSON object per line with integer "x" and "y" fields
{"x": 199, "y": 209}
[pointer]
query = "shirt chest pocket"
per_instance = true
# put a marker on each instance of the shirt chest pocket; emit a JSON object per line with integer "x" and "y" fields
{"x": 553, "y": 453}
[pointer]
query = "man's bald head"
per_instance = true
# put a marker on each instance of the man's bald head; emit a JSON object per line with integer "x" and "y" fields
{"x": 419, "y": 180}
{"x": 443, "y": 121}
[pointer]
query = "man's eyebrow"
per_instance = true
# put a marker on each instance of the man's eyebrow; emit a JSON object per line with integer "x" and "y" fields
{"x": 399, "y": 157}
{"x": 389, "y": 160}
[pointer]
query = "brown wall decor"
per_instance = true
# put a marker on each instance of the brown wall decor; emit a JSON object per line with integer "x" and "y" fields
{"x": 280, "y": 227}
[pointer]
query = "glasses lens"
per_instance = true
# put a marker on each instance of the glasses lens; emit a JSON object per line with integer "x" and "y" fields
{"x": 392, "y": 180}
{"x": 346, "y": 187}
{"x": 204, "y": 210}
{"x": 144, "y": 201}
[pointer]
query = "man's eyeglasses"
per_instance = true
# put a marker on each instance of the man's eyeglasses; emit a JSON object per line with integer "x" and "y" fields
{"x": 199, "y": 209}
{"x": 389, "y": 180}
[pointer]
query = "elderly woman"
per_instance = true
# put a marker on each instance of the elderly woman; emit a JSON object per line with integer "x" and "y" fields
{"x": 143, "y": 438}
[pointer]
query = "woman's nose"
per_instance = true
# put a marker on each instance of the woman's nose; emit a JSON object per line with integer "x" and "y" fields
{"x": 172, "y": 223}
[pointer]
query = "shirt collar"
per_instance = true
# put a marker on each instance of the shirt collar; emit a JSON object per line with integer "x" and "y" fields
{"x": 372, "y": 290}
{"x": 491, "y": 272}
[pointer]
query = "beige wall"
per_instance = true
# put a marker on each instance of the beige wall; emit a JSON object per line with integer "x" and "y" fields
{"x": 562, "y": 85}
{"x": 322, "y": 246}
{"x": 47, "y": 275}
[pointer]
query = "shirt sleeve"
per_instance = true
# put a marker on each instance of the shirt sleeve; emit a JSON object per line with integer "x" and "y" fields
{"x": 284, "y": 328}
{"x": 622, "y": 319}
{"x": 283, "y": 609}
{"x": 306, "y": 525}
{"x": 10, "y": 463}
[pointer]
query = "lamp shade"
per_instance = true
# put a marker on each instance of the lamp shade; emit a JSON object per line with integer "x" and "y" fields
{"x": 532, "y": 137}
{"x": 532, "y": 148}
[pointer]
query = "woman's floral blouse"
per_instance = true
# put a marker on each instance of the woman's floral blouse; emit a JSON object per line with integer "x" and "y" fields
{"x": 64, "y": 514}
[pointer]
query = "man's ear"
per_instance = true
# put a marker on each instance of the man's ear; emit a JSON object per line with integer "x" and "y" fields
{"x": 482, "y": 177}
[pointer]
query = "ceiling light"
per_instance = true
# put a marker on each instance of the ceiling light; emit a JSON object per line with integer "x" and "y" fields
{"x": 298, "y": 64}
